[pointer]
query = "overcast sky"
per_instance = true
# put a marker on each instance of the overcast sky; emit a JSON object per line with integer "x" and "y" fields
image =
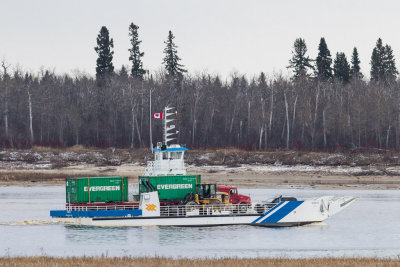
{"x": 217, "y": 36}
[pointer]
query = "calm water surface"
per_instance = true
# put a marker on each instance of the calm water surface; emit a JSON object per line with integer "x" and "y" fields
{"x": 370, "y": 227}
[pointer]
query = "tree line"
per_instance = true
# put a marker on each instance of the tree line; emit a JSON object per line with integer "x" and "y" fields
{"x": 326, "y": 104}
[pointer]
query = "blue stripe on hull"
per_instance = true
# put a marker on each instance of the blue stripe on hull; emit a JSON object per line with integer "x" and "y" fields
{"x": 282, "y": 212}
{"x": 95, "y": 213}
{"x": 268, "y": 212}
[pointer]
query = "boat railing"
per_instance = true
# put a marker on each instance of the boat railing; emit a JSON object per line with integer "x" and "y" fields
{"x": 102, "y": 207}
{"x": 212, "y": 209}
{"x": 182, "y": 210}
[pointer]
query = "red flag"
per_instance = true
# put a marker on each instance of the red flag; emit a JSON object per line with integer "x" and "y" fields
{"x": 157, "y": 115}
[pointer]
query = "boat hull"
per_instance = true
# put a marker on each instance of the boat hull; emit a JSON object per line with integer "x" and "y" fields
{"x": 217, "y": 220}
{"x": 285, "y": 213}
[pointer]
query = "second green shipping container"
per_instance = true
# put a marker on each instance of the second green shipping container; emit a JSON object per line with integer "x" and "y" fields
{"x": 96, "y": 189}
{"x": 174, "y": 187}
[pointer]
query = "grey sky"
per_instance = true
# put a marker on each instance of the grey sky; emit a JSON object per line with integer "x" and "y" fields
{"x": 219, "y": 36}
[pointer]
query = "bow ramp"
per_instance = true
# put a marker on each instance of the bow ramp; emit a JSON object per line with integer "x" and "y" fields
{"x": 292, "y": 213}
{"x": 336, "y": 205}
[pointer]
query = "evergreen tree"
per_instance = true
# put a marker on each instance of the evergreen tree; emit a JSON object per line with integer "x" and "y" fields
{"x": 123, "y": 72}
{"x": 135, "y": 54}
{"x": 299, "y": 61}
{"x": 389, "y": 64}
{"x": 377, "y": 61}
{"x": 355, "y": 65}
{"x": 323, "y": 61}
{"x": 262, "y": 80}
{"x": 341, "y": 68}
{"x": 104, "y": 65}
{"x": 171, "y": 59}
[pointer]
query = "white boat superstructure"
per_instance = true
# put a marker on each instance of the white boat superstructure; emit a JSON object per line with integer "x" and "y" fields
{"x": 168, "y": 159}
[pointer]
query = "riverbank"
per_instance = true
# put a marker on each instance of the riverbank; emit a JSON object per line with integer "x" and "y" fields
{"x": 284, "y": 169}
{"x": 127, "y": 261}
{"x": 245, "y": 176}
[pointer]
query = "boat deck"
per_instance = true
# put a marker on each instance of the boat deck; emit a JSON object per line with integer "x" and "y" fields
{"x": 133, "y": 209}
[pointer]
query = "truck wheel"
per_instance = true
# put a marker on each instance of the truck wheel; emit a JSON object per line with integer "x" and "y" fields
{"x": 190, "y": 206}
{"x": 259, "y": 208}
{"x": 242, "y": 208}
{"x": 216, "y": 205}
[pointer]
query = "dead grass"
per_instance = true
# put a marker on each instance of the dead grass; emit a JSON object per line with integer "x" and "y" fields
{"x": 200, "y": 157}
{"x": 35, "y": 176}
{"x": 81, "y": 148}
{"x": 229, "y": 262}
{"x": 231, "y": 156}
{"x": 75, "y": 148}
{"x": 43, "y": 148}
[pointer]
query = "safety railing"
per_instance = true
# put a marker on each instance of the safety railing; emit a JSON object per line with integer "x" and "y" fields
{"x": 102, "y": 207}
{"x": 183, "y": 210}
{"x": 212, "y": 209}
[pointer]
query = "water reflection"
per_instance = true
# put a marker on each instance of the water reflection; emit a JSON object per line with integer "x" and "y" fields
{"x": 91, "y": 235}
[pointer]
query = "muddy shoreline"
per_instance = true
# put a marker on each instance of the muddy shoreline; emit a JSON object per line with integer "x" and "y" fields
{"x": 244, "y": 176}
{"x": 357, "y": 169}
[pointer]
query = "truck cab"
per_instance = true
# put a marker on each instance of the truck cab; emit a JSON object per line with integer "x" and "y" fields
{"x": 234, "y": 196}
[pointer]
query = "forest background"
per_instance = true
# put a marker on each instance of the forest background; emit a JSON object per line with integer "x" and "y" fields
{"x": 326, "y": 104}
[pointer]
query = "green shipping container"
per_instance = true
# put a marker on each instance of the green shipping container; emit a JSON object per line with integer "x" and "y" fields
{"x": 174, "y": 187}
{"x": 96, "y": 189}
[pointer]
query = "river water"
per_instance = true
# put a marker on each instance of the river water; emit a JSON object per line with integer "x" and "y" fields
{"x": 370, "y": 227}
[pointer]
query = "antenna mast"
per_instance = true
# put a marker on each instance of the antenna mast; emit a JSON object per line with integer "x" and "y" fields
{"x": 166, "y": 127}
{"x": 150, "y": 117}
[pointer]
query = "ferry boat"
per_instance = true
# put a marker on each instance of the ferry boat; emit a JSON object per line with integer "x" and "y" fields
{"x": 197, "y": 208}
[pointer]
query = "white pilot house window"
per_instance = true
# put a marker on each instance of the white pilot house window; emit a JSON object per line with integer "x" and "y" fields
{"x": 176, "y": 155}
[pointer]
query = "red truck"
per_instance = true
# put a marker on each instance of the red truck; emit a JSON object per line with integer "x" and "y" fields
{"x": 234, "y": 197}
